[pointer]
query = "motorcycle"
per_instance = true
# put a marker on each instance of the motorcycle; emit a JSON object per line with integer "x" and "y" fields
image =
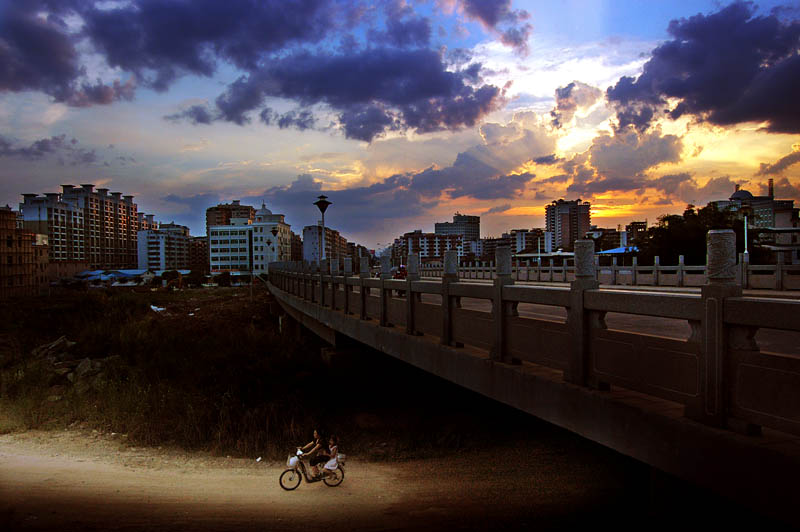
{"x": 297, "y": 469}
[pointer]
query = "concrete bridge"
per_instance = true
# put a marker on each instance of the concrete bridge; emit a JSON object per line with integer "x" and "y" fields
{"x": 712, "y": 407}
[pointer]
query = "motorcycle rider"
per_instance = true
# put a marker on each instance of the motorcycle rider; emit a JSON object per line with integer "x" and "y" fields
{"x": 317, "y": 451}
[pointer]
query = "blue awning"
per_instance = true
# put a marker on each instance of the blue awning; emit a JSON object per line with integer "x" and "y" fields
{"x": 619, "y": 251}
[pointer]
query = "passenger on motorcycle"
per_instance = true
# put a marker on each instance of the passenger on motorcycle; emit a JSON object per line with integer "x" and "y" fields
{"x": 333, "y": 453}
{"x": 317, "y": 451}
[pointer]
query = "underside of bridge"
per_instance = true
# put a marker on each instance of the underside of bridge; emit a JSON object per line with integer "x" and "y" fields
{"x": 760, "y": 472}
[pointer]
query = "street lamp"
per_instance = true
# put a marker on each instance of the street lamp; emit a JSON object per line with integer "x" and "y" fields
{"x": 322, "y": 204}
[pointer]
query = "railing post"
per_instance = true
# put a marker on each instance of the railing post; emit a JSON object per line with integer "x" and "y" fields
{"x": 656, "y": 265}
{"x": 386, "y": 266}
{"x": 334, "y": 288}
{"x": 745, "y": 270}
{"x": 363, "y": 276}
{"x": 348, "y": 290}
{"x": 324, "y": 269}
{"x": 614, "y": 270}
{"x": 720, "y": 284}
{"x": 634, "y": 270}
{"x": 779, "y": 270}
{"x": 578, "y": 323}
{"x": 502, "y": 311}
{"x": 449, "y": 276}
{"x": 412, "y": 298}
{"x": 680, "y": 269}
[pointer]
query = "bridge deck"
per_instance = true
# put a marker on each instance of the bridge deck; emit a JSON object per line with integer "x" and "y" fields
{"x": 759, "y": 471}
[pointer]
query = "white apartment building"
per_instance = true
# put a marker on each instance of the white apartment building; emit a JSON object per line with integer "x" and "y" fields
{"x": 165, "y": 248}
{"x": 249, "y": 247}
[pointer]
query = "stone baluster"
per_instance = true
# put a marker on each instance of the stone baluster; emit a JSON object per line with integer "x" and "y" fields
{"x": 502, "y": 311}
{"x": 363, "y": 269}
{"x": 386, "y": 273}
{"x": 348, "y": 289}
{"x": 710, "y": 407}
{"x": 578, "y": 322}
{"x": 412, "y": 298}
{"x": 450, "y": 276}
{"x": 334, "y": 288}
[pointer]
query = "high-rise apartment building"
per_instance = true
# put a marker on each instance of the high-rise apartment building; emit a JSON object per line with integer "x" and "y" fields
{"x": 165, "y": 248}
{"x": 469, "y": 227}
{"x": 568, "y": 221}
{"x": 429, "y": 246}
{"x": 198, "y": 254}
{"x": 227, "y": 213}
{"x": 86, "y": 225}
{"x": 243, "y": 246}
{"x": 23, "y": 261}
{"x": 335, "y": 244}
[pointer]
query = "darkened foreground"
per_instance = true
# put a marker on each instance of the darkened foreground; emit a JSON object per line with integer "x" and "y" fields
{"x": 212, "y": 374}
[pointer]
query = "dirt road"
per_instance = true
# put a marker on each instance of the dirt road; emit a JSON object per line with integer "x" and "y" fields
{"x": 87, "y": 481}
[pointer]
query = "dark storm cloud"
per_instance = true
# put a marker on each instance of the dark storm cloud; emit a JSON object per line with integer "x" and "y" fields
{"x": 403, "y": 27}
{"x": 64, "y": 151}
{"x": 494, "y": 13}
{"x": 196, "y": 114}
{"x": 572, "y": 97}
{"x": 391, "y": 89}
{"x": 300, "y": 120}
{"x": 157, "y": 41}
{"x": 726, "y": 68}
{"x": 162, "y": 40}
{"x": 781, "y": 164}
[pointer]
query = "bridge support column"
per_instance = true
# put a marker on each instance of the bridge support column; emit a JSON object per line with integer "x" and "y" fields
{"x": 711, "y": 406}
{"x": 578, "y": 322}
{"x": 412, "y": 298}
{"x": 348, "y": 290}
{"x": 449, "y": 276}
{"x": 363, "y": 275}
{"x": 501, "y": 310}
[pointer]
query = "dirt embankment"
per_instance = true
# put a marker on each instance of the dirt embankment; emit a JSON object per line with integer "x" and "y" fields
{"x": 69, "y": 480}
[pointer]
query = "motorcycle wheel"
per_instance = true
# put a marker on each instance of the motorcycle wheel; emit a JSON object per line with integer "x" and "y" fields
{"x": 290, "y": 479}
{"x": 335, "y": 479}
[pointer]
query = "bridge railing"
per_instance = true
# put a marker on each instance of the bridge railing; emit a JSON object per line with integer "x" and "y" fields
{"x": 718, "y": 372}
{"x": 752, "y": 276}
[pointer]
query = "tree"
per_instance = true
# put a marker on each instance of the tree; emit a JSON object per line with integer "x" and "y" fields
{"x": 685, "y": 235}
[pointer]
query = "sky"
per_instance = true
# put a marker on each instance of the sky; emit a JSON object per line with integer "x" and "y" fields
{"x": 401, "y": 111}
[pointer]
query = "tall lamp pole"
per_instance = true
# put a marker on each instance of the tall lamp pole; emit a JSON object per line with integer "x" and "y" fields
{"x": 322, "y": 204}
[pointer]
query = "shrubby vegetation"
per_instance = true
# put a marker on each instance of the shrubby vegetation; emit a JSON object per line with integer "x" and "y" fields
{"x": 224, "y": 379}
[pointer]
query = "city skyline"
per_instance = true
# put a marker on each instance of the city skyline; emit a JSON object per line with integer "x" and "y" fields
{"x": 504, "y": 107}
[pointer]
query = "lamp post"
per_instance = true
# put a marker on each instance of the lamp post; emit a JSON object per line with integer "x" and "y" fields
{"x": 322, "y": 204}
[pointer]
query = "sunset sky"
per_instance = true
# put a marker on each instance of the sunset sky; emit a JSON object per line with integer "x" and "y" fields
{"x": 402, "y": 112}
